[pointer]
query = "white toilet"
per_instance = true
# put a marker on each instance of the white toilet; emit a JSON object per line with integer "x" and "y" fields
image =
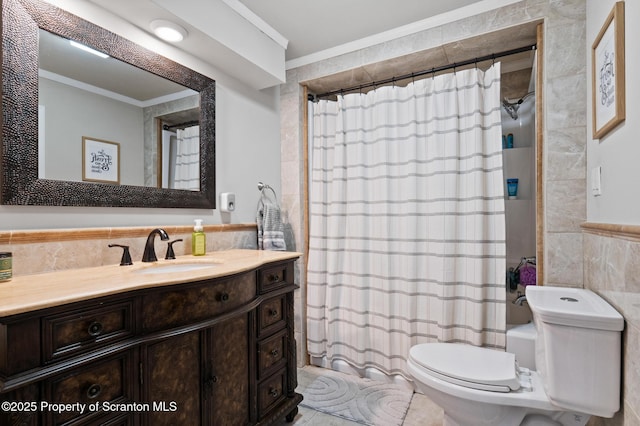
{"x": 577, "y": 356}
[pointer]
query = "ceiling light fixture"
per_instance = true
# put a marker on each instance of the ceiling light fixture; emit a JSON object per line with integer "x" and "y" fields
{"x": 168, "y": 30}
{"x": 87, "y": 49}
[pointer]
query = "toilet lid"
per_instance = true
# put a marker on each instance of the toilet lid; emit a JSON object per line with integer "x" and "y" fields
{"x": 469, "y": 366}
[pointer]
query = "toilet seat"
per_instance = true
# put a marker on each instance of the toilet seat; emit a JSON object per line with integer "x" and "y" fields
{"x": 532, "y": 395}
{"x": 456, "y": 391}
{"x": 469, "y": 366}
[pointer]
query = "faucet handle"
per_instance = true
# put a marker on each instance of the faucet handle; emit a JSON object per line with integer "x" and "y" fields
{"x": 126, "y": 256}
{"x": 170, "y": 254}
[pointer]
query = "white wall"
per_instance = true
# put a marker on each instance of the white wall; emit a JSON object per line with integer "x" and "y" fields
{"x": 247, "y": 147}
{"x": 618, "y": 153}
{"x": 247, "y": 151}
{"x": 71, "y": 114}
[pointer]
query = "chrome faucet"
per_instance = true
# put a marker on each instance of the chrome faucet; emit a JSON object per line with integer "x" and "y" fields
{"x": 149, "y": 254}
{"x": 520, "y": 300}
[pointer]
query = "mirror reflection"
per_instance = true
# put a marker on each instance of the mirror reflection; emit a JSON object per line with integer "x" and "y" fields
{"x": 153, "y": 122}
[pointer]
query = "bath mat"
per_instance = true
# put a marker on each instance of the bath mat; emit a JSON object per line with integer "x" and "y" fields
{"x": 360, "y": 400}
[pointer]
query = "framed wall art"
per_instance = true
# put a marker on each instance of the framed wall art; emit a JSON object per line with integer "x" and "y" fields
{"x": 100, "y": 161}
{"x": 607, "y": 71}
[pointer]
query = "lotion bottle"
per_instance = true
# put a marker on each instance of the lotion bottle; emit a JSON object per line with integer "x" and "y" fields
{"x": 198, "y": 239}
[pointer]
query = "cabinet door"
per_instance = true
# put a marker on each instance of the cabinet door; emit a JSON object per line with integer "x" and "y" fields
{"x": 171, "y": 380}
{"x": 227, "y": 377}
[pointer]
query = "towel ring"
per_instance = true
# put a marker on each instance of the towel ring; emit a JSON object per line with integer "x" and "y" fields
{"x": 263, "y": 186}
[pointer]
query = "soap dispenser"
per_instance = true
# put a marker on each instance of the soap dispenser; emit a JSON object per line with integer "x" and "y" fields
{"x": 198, "y": 239}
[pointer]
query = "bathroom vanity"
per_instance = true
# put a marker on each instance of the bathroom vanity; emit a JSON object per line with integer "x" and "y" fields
{"x": 200, "y": 341}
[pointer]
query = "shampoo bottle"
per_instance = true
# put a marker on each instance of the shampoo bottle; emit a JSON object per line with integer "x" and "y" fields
{"x": 198, "y": 240}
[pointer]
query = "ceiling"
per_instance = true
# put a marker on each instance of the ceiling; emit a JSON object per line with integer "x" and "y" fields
{"x": 309, "y": 26}
{"x": 312, "y": 26}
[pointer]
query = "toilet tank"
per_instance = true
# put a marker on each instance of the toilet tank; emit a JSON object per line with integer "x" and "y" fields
{"x": 578, "y": 348}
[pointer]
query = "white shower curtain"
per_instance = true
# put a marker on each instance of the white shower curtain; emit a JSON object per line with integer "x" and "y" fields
{"x": 407, "y": 226}
{"x": 187, "y": 168}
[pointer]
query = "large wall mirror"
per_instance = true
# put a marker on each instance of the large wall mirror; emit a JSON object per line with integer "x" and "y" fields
{"x": 129, "y": 128}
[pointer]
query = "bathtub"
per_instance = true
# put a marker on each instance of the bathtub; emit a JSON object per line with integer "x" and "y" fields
{"x": 521, "y": 341}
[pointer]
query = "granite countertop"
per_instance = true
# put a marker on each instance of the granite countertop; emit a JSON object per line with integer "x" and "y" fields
{"x": 31, "y": 292}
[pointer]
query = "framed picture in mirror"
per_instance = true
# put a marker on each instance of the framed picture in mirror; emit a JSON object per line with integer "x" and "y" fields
{"x": 100, "y": 161}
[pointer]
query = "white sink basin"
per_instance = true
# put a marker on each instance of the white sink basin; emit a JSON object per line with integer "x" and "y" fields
{"x": 178, "y": 267}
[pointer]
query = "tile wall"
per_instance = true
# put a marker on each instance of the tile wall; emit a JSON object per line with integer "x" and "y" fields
{"x": 42, "y": 251}
{"x": 612, "y": 269}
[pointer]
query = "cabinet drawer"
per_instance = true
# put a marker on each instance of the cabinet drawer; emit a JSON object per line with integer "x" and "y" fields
{"x": 106, "y": 382}
{"x": 85, "y": 329}
{"x": 24, "y": 417}
{"x": 271, "y": 392}
{"x": 275, "y": 277}
{"x": 190, "y": 303}
{"x": 272, "y": 354}
{"x": 271, "y": 316}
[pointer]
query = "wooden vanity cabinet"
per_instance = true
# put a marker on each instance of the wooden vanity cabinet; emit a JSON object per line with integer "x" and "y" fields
{"x": 171, "y": 373}
{"x": 213, "y": 352}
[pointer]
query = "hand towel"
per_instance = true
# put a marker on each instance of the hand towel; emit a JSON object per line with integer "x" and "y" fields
{"x": 270, "y": 226}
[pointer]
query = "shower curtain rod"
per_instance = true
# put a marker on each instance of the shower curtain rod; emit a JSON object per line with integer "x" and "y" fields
{"x": 434, "y": 70}
{"x": 183, "y": 125}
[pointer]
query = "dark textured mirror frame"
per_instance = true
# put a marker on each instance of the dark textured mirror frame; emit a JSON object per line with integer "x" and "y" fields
{"x": 21, "y": 20}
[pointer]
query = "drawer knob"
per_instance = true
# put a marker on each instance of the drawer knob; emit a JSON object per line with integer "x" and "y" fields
{"x": 223, "y": 297}
{"x": 275, "y": 353}
{"x": 274, "y": 278}
{"x": 273, "y": 312}
{"x": 94, "y": 391}
{"x": 95, "y": 329}
{"x": 274, "y": 392}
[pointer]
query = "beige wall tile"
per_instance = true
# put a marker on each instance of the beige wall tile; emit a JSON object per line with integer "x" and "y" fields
{"x": 631, "y": 388}
{"x": 566, "y": 205}
{"x": 611, "y": 269}
{"x": 566, "y": 153}
{"x": 34, "y": 258}
{"x": 564, "y": 259}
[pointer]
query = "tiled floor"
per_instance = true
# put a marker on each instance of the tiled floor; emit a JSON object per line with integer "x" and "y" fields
{"x": 422, "y": 412}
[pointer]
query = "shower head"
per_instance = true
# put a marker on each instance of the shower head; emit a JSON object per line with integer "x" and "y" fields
{"x": 512, "y": 107}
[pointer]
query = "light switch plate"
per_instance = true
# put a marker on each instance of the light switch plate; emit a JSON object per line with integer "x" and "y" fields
{"x": 596, "y": 182}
